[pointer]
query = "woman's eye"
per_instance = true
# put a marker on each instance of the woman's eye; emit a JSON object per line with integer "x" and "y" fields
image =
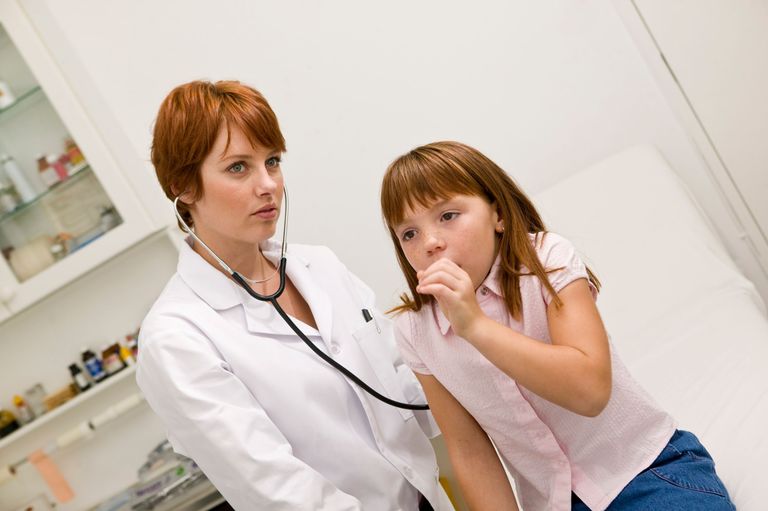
{"x": 237, "y": 168}
{"x": 273, "y": 162}
{"x": 449, "y": 215}
{"x": 408, "y": 235}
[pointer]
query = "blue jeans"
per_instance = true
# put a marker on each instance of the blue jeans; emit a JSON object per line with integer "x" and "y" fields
{"x": 682, "y": 478}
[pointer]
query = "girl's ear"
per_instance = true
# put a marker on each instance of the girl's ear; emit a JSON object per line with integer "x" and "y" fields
{"x": 499, "y": 221}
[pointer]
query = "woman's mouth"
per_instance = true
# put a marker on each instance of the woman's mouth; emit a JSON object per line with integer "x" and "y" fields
{"x": 269, "y": 212}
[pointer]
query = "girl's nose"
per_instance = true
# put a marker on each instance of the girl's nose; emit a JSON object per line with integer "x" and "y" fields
{"x": 433, "y": 243}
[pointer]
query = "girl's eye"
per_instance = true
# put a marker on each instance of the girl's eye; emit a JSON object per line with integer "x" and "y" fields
{"x": 448, "y": 215}
{"x": 408, "y": 235}
{"x": 237, "y": 167}
{"x": 273, "y": 162}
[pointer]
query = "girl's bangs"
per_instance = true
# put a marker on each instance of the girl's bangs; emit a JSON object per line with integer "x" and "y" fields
{"x": 415, "y": 181}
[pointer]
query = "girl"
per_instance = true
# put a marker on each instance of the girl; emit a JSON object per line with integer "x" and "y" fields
{"x": 502, "y": 330}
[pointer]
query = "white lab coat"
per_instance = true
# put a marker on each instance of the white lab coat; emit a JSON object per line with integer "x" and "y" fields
{"x": 270, "y": 423}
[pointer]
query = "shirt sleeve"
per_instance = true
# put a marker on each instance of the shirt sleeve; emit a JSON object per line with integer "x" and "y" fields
{"x": 562, "y": 263}
{"x": 405, "y": 342}
{"x": 213, "y": 418}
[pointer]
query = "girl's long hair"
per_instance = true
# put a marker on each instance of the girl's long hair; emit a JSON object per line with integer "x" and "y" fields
{"x": 440, "y": 170}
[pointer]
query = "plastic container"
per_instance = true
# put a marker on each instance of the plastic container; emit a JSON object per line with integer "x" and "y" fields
{"x": 36, "y": 399}
{"x": 111, "y": 356}
{"x": 57, "y": 166}
{"x": 126, "y": 354}
{"x": 23, "y": 411}
{"x": 75, "y": 156}
{"x": 25, "y": 190}
{"x": 133, "y": 345}
{"x": 8, "y": 200}
{"x": 47, "y": 174}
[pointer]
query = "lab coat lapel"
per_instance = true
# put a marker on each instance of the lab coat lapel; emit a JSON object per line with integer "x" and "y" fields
{"x": 205, "y": 280}
{"x": 318, "y": 299}
{"x": 299, "y": 271}
{"x": 262, "y": 318}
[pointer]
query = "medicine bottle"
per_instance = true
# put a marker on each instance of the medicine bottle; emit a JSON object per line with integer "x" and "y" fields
{"x": 81, "y": 382}
{"x": 23, "y": 410}
{"x": 25, "y": 190}
{"x": 93, "y": 364}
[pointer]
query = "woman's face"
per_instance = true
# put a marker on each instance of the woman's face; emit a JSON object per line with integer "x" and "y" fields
{"x": 242, "y": 192}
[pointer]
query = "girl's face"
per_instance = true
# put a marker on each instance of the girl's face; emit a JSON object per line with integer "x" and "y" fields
{"x": 462, "y": 229}
{"x": 242, "y": 192}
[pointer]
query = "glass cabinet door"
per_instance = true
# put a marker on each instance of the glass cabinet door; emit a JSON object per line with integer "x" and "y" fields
{"x": 64, "y": 205}
{"x": 51, "y": 203}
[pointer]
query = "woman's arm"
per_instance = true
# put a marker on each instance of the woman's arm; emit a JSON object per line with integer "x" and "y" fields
{"x": 475, "y": 461}
{"x": 573, "y": 372}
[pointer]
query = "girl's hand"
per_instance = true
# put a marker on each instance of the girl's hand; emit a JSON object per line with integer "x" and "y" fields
{"x": 455, "y": 294}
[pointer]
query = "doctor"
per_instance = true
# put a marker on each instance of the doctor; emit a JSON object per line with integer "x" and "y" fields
{"x": 271, "y": 424}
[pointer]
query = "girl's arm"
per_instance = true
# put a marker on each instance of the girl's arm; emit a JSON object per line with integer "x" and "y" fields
{"x": 475, "y": 462}
{"x": 573, "y": 372}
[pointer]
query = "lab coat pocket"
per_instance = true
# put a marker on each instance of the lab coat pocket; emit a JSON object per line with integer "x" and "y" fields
{"x": 377, "y": 343}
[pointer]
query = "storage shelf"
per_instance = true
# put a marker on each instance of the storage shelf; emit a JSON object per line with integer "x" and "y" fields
{"x": 26, "y": 98}
{"x": 51, "y": 416}
{"x": 78, "y": 173}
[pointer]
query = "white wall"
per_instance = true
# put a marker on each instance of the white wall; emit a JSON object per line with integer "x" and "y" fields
{"x": 719, "y": 54}
{"x": 543, "y": 88}
{"x": 708, "y": 61}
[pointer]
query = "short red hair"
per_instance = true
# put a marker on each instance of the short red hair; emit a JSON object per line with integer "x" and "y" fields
{"x": 187, "y": 124}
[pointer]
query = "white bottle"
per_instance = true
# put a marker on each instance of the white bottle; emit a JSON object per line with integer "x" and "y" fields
{"x": 7, "y": 199}
{"x": 17, "y": 177}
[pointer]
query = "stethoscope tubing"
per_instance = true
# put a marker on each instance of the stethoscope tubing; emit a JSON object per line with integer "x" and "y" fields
{"x": 272, "y": 298}
{"x": 336, "y": 365}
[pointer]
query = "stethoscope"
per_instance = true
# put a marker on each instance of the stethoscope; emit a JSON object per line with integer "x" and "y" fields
{"x": 273, "y": 300}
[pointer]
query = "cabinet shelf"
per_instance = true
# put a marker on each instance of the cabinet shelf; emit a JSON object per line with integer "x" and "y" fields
{"x": 77, "y": 174}
{"x": 46, "y": 418}
{"x": 27, "y": 98}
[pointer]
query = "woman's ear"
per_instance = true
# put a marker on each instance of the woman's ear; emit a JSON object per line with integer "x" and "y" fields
{"x": 184, "y": 198}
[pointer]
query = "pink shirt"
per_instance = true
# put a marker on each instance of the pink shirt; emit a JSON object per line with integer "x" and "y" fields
{"x": 549, "y": 450}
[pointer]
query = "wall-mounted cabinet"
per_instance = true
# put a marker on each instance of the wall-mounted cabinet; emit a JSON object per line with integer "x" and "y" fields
{"x": 64, "y": 204}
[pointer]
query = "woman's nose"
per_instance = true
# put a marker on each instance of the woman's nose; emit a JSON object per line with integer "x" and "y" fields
{"x": 264, "y": 182}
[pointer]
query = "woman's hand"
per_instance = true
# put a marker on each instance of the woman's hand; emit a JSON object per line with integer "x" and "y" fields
{"x": 452, "y": 287}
